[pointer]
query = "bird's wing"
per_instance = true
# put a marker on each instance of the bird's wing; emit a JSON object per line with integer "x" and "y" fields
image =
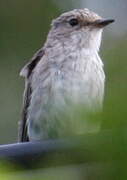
{"x": 27, "y": 73}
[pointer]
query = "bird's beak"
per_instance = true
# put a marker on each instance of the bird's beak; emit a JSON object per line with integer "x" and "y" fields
{"x": 103, "y": 22}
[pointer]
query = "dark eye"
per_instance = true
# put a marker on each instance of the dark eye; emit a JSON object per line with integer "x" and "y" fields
{"x": 73, "y": 22}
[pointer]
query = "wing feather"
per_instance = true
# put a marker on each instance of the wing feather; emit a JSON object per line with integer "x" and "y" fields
{"x": 27, "y": 73}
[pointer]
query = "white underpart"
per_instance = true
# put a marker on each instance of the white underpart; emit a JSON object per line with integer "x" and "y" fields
{"x": 74, "y": 74}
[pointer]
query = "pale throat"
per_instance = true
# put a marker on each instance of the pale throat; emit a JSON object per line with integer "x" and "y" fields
{"x": 84, "y": 42}
{"x": 75, "y": 52}
{"x": 82, "y": 49}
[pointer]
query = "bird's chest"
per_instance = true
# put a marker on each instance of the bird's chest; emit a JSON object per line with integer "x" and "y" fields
{"x": 78, "y": 81}
{"x": 56, "y": 93}
{"x": 76, "y": 78}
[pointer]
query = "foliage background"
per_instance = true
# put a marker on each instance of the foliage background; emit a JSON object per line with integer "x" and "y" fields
{"x": 24, "y": 26}
{"x": 23, "y": 29}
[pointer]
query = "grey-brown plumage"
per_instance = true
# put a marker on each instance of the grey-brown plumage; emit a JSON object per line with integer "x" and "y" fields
{"x": 66, "y": 71}
{"x": 23, "y": 136}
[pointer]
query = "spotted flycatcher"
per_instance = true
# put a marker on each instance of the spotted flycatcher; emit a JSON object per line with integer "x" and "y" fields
{"x": 66, "y": 71}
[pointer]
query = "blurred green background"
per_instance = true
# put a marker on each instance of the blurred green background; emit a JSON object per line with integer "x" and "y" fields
{"x": 23, "y": 29}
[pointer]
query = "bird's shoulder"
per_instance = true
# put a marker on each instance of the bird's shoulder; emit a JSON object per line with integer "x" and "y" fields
{"x": 27, "y": 70}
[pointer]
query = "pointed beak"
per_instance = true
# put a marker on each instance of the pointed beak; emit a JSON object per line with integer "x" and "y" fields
{"x": 103, "y": 22}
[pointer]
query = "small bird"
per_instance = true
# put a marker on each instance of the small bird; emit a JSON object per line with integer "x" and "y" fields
{"x": 67, "y": 70}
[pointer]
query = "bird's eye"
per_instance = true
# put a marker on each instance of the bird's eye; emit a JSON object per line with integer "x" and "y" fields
{"x": 73, "y": 22}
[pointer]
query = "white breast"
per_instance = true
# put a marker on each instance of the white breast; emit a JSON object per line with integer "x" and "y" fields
{"x": 79, "y": 80}
{"x": 59, "y": 81}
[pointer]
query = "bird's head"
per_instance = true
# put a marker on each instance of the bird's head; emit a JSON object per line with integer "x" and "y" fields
{"x": 79, "y": 26}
